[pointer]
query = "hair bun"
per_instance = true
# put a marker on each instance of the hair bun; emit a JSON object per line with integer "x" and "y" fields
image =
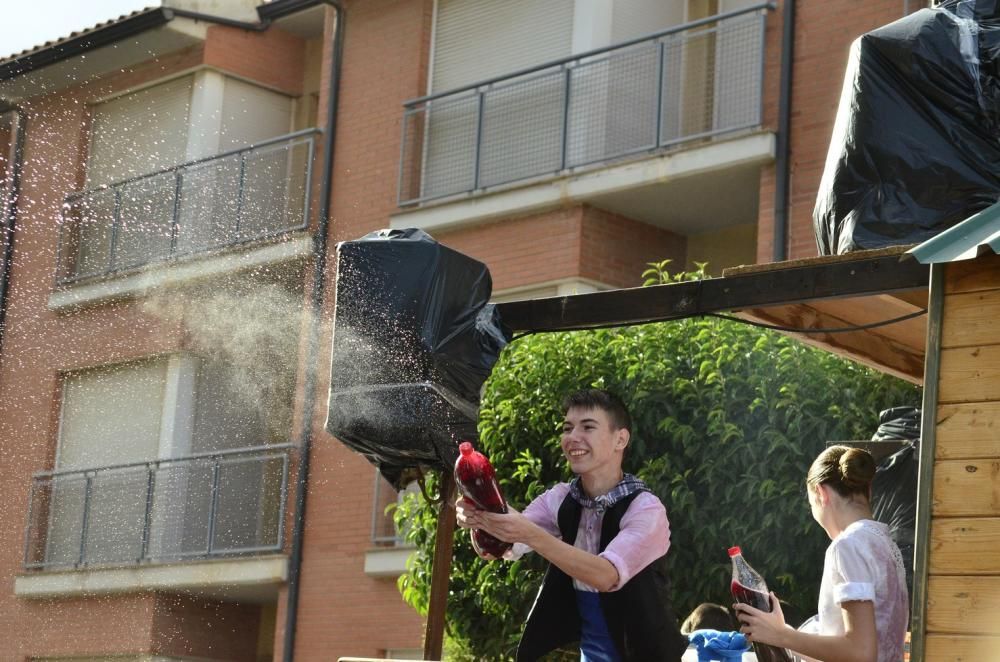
{"x": 857, "y": 468}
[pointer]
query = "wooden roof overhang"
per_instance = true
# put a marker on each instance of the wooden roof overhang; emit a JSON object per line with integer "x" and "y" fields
{"x": 834, "y": 293}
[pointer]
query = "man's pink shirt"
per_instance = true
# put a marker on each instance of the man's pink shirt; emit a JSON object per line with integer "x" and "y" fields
{"x": 644, "y": 535}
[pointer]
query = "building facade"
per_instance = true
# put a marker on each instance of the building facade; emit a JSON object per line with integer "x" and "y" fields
{"x": 175, "y": 182}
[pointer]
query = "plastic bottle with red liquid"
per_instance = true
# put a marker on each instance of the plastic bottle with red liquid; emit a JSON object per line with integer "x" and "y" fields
{"x": 750, "y": 588}
{"x": 477, "y": 481}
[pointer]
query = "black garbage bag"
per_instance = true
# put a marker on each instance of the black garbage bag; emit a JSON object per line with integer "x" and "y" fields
{"x": 413, "y": 341}
{"x": 916, "y": 143}
{"x": 898, "y": 423}
{"x": 894, "y": 489}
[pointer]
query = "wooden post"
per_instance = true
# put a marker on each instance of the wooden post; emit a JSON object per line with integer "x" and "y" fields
{"x": 441, "y": 569}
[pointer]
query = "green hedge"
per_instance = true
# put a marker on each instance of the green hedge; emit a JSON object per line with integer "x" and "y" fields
{"x": 727, "y": 419}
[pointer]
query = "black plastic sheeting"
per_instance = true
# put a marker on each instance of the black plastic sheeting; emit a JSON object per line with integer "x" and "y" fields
{"x": 414, "y": 339}
{"x": 916, "y": 142}
{"x": 894, "y": 489}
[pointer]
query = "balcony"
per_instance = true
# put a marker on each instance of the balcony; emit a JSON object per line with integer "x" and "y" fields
{"x": 209, "y": 506}
{"x": 247, "y": 195}
{"x": 689, "y": 85}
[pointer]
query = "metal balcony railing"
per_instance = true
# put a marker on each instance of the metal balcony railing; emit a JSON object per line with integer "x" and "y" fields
{"x": 690, "y": 82}
{"x": 239, "y": 196}
{"x": 226, "y": 503}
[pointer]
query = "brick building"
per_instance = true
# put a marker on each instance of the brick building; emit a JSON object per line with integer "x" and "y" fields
{"x": 174, "y": 182}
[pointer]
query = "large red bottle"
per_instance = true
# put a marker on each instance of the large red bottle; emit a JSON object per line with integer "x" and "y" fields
{"x": 477, "y": 481}
{"x": 750, "y": 588}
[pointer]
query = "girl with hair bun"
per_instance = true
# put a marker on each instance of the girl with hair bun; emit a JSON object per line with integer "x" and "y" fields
{"x": 863, "y": 605}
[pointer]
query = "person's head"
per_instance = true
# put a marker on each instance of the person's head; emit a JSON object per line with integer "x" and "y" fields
{"x": 596, "y": 430}
{"x": 606, "y": 401}
{"x": 840, "y": 476}
{"x": 709, "y": 616}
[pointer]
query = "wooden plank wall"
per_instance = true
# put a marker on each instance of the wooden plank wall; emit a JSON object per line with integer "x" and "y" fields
{"x": 963, "y": 610}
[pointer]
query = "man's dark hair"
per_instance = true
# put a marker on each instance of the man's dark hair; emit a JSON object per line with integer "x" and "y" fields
{"x": 709, "y": 616}
{"x": 595, "y": 398}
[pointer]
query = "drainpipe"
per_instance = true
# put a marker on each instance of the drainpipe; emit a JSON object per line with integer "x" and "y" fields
{"x": 312, "y": 349}
{"x": 782, "y": 166}
{"x": 13, "y": 193}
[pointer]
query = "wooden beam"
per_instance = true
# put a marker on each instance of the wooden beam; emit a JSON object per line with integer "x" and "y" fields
{"x": 966, "y": 431}
{"x": 963, "y": 605}
{"x": 961, "y": 647}
{"x": 965, "y": 546}
{"x": 750, "y": 290}
{"x": 916, "y": 298}
{"x": 866, "y": 347}
{"x": 983, "y": 273}
{"x": 444, "y": 541}
{"x": 966, "y": 488}
{"x": 970, "y": 319}
{"x": 970, "y": 374}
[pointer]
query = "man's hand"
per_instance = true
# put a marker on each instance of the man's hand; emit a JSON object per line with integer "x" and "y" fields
{"x": 511, "y": 526}
{"x": 464, "y": 510}
{"x": 514, "y": 527}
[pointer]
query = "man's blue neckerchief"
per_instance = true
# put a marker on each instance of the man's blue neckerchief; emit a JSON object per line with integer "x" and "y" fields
{"x": 627, "y": 486}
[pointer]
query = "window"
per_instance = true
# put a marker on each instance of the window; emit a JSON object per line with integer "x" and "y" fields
{"x": 110, "y": 416}
{"x": 479, "y": 39}
{"x": 138, "y": 133}
{"x": 187, "y": 118}
{"x": 624, "y": 100}
{"x": 138, "y": 473}
{"x": 384, "y": 530}
{"x": 134, "y": 210}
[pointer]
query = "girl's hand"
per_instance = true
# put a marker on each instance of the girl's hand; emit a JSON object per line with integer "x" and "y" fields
{"x": 762, "y": 626}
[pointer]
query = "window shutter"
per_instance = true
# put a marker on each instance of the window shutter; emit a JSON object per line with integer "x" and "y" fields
{"x": 477, "y": 39}
{"x": 637, "y": 18}
{"x": 139, "y": 133}
{"x": 251, "y": 113}
{"x": 111, "y": 415}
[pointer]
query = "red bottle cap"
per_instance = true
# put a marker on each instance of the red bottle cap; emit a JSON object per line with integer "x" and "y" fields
{"x": 733, "y": 551}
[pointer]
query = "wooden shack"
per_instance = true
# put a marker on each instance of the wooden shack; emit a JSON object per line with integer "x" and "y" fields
{"x": 959, "y": 496}
{"x": 947, "y": 338}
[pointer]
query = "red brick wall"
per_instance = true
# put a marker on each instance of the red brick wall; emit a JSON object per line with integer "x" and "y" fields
{"x": 341, "y": 610}
{"x": 273, "y": 57}
{"x": 824, "y": 31}
{"x": 82, "y": 626}
{"x": 526, "y": 250}
{"x": 573, "y": 242}
{"x": 616, "y": 250}
{"x": 39, "y": 344}
{"x": 185, "y": 626}
{"x": 117, "y": 624}
{"x": 772, "y": 84}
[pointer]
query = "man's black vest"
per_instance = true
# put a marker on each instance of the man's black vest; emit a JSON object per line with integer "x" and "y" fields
{"x": 639, "y": 615}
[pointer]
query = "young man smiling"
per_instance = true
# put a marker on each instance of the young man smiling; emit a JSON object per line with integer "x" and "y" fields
{"x": 605, "y": 536}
